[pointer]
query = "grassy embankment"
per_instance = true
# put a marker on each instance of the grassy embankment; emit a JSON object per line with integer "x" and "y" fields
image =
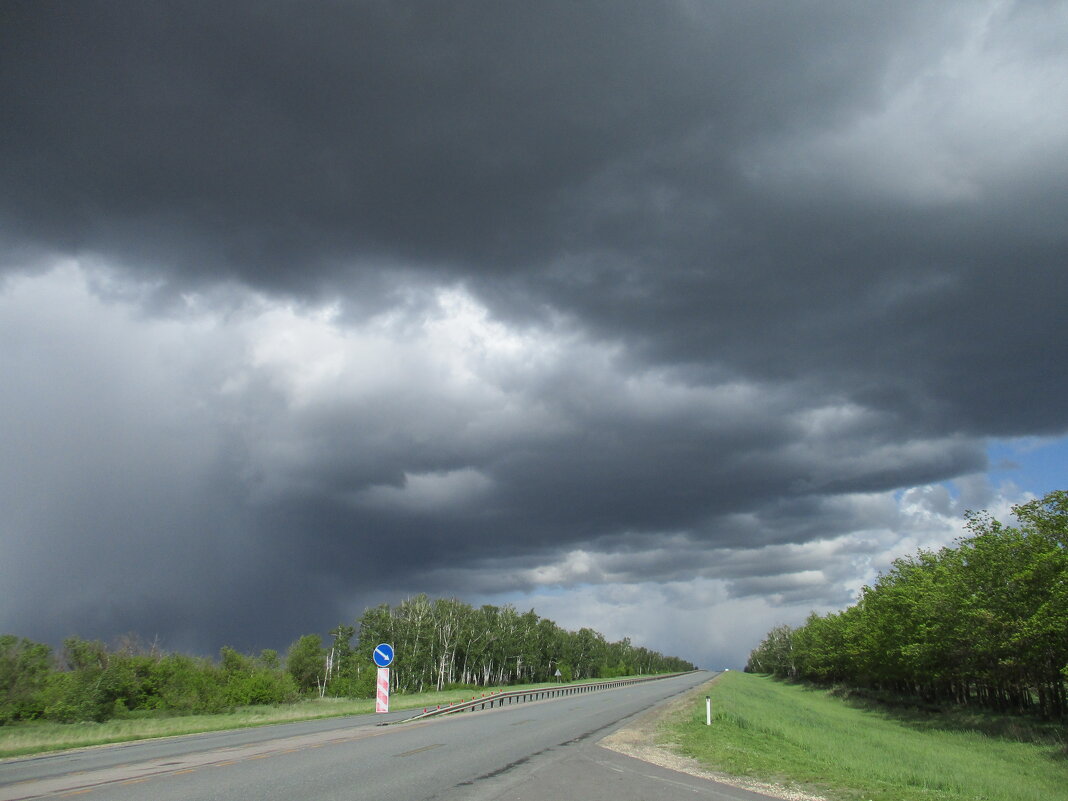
{"x": 21, "y": 739}
{"x": 849, "y": 750}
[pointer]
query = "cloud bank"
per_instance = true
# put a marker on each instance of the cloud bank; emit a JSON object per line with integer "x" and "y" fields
{"x": 671, "y": 319}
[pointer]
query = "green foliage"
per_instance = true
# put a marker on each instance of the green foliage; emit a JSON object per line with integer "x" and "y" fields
{"x": 97, "y": 684}
{"x": 187, "y": 685}
{"x": 775, "y": 654}
{"x": 360, "y": 683}
{"x": 446, "y": 642}
{"x": 306, "y": 661}
{"x": 24, "y": 669}
{"x": 260, "y": 687}
{"x": 441, "y": 643}
{"x": 985, "y": 623}
{"x": 248, "y": 680}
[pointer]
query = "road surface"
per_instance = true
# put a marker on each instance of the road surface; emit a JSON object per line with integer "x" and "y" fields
{"x": 525, "y": 752}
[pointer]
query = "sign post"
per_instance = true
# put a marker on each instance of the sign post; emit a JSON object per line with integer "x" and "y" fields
{"x": 383, "y": 657}
{"x": 382, "y": 698}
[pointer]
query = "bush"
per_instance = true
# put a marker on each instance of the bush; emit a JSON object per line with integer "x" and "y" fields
{"x": 362, "y": 684}
{"x": 24, "y": 669}
{"x": 71, "y": 697}
{"x": 261, "y": 686}
{"x": 187, "y": 685}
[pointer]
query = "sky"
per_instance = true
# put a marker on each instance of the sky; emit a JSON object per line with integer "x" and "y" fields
{"x": 678, "y": 320}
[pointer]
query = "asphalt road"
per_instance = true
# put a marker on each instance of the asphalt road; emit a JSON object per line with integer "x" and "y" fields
{"x": 539, "y": 750}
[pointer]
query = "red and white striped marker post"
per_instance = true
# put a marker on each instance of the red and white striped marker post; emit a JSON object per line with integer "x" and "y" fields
{"x": 382, "y": 699}
{"x": 383, "y": 657}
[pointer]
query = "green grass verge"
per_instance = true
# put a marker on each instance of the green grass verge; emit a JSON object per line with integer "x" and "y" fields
{"x": 22, "y": 739}
{"x": 787, "y": 733}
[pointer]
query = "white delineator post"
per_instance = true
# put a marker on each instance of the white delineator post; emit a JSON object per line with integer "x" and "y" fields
{"x": 708, "y": 710}
{"x": 382, "y": 699}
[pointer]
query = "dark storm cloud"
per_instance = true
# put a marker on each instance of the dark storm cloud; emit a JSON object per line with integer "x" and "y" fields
{"x": 758, "y": 257}
{"x": 269, "y": 139}
{"x": 612, "y": 160}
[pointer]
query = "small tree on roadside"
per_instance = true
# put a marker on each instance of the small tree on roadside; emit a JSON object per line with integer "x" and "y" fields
{"x": 306, "y": 661}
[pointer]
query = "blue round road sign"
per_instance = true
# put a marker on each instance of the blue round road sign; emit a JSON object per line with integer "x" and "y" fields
{"x": 384, "y": 655}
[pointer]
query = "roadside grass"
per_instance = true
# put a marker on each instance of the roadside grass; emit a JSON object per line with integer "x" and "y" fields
{"x": 849, "y": 751}
{"x": 33, "y": 737}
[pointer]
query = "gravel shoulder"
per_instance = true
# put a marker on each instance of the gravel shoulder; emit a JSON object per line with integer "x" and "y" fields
{"x": 644, "y": 739}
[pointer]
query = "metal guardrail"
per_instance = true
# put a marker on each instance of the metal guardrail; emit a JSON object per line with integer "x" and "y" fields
{"x": 507, "y": 697}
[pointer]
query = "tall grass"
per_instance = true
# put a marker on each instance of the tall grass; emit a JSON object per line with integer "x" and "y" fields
{"x": 775, "y": 731}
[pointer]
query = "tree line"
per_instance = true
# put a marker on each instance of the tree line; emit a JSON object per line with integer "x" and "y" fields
{"x": 439, "y": 644}
{"x": 444, "y": 642}
{"x": 983, "y": 623}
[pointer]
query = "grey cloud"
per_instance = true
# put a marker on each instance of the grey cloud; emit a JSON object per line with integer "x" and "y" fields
{"x": 253, "y": 137}
{"x": 543, "y": 152}
{"x": 762, "y": 260}
{"x": 812, "y": 588}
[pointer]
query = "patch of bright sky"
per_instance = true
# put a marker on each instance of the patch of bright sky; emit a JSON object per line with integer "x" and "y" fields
{"x": 1035, "y": 464}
